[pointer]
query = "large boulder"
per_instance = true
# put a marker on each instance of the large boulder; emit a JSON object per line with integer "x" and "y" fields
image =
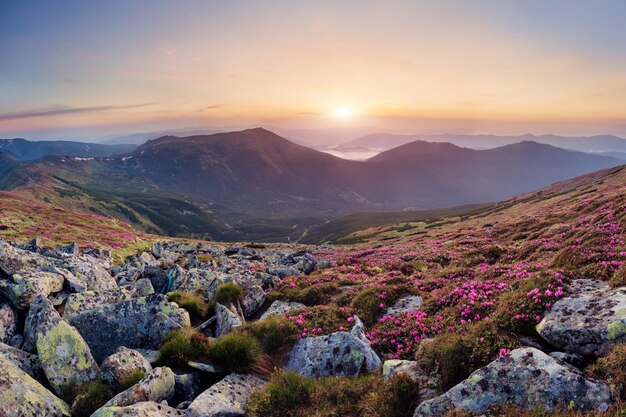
{"x": 226, "y": 320}
{"x": 24, "y": 286}
{"x": 336, "y": 354}
{"x": 278, "y": 308}
{"x": 13, "y": 259}
{"x": 227, "y": 398}
{"x": 88, "y": 300}
{"x": 157, "y": 385}
{"x": 91, "y": 271}
{"x": 253, "y": 299}
{"x": 525, "y": 378}
{"x": 8, "y": 322}
{"x": 589, "y": 321}
{"x": 410, "y": 303}
{"x": 65, "y": 357}
{"x": 27, "y": 362}
{"x": 142, "y": 409}
{"x": 123, "y": 364}
{"x": 137, "y": 323}
{"x": 21, "y": 395}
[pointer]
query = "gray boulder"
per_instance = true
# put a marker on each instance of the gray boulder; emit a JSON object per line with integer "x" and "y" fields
{"x": 227, "y": 398}
{"x": 88, "y": 300}
{"x": 137, "y": 323}
{"x": 27, "y": 362}
{"x": 121, "y": 365}
{"x": 157, "y": 385}
{"x": 336, "y": 354}
{"x": 91, "y": 271}
{"x": 278, "y": 308}
{"x": 187, "y": 386}
{"x": 8, "y": 322}
{"x": 589, "y": 321}
{"x": 410, "y": 303}
{"x": 65, "y": 357}
{"x": 21, "y": 395}
{"x": 525, "y": 378}
{"x": 226, "y": 320}
{"x": 141, "y": 409}
{"x": 253, "y": 299}
{"x": 24, "y": 286}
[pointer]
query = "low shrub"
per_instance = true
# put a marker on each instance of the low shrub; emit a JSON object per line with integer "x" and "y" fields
{"x": 282, "y": 396}
{"x": 372, "y": 302}
{"x": 90, "y": 397}
{"x": 228, "y": 292}
{"x": 454, "y": 357}
{"x": 309, "y": 295}
{"x": 273, "y": 333}
{"x": 180, "y": 346}
{"x": 396, "y": 398}
{"x": 619, "y": 277}
{"x": 134, "y": 377}
{"x": 612, "y": 368}
{"x": 192, "y": 302}
{"x": 235, "y": 352}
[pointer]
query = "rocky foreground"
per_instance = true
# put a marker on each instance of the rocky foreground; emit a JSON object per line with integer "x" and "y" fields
{"x": 209, "y": 330}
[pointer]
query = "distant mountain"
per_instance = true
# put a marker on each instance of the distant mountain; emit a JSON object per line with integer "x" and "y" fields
{"x": 25, "y": 150}
{"x": 256, "y": 185}
{"x": 141, "y": 138}
{"x": 590, "y": 144}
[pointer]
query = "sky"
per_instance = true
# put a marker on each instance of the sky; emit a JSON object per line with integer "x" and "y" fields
{"x": 90, "y": 69}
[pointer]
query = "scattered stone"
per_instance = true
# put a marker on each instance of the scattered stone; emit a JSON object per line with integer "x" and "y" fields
{"x": 8, "y": 322}
{"x": 569, "y": 358}
{"x": 226, "y": 320}
{"x": 336, "y": 354}
{"x": 137, "y": 323}
{"x": 141, "y": 409}
{"x": 157, "y": 385}
{"x": 89, "y": 300}
{"x": 65, "y": 357}
{"x": 226, "y": 398}
{"x": 524, "y": 378}
{"x": 27, "y": 362}
{"x": 278, "y": 308}
{"x": 21, "y": 395}
{"x": 394, "y": 367}
{"x": 253, "y": 299}
{"x": 118, "y": 367}
{"x": 23, "y": 287}
{"x": 91, "y": 271}
{"x": 589, "y": 321}
{"x": 203, "y": 367}
{"x": 410, "y": 303}
{"x": 69, "y": 249}
{"x": 187, "y": 386}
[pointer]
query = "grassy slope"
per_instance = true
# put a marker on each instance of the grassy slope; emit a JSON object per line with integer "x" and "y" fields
{"x": 25, "y": 218}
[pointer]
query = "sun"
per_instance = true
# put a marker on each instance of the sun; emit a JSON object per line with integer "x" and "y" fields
{"x": 343, "y": 112}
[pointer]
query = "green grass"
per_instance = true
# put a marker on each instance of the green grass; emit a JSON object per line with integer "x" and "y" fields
{"x": 192, "y": 302}
{"x": 228, "y": 292}
{"x": 180, "y": 346}
{"x": 235, "y": 352}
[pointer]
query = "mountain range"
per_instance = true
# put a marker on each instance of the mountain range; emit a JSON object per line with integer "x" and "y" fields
{"x": 25, "y": 150}
{"x": 601, "y": 144}
{"x": 256, "y": 185}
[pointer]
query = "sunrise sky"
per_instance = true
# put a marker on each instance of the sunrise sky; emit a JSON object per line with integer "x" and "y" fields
{"x": 95, "y": 68}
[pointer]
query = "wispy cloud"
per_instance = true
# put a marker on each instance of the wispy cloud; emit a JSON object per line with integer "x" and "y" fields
{"x": 59, "y": 111}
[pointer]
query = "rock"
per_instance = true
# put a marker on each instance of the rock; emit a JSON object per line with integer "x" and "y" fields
{"x": 8, "y": 322}
{"x": 27, "y": 362}
{"x": 411, "y": 303}
{"x": 141, "y": 288}
{"x": 137, "y": 323}
{"x": 69, "y": 249}
{"x": 336, "y": 354}
{"x": 17, "y": 341}
{"x": 219, "y": 279}
{"x": 103, "y": 255}
{"x": 151, "y": 355}
{"x": 278, "y": 308}
{"x": 525, "y": 378}
{"x": 203, "y": 367}
{"x": 187, "y": 386}
{"x": 283, "y": 272}
{"x": 253, "y": 299}
{"x": 428, "y": 386}
{"x": 23, "y": 287}
{"x": 142, "y": 409}
{"x": 589, "y": 321}
{"x": 226, "y": 320}
{"x": 21, "y": 395}
{"x": 227, "y": 398}
{"x": 89, "y": 300}
{"x": 33, "y": 245}
{"x": 392, "y": 368}
{"x": 156, "y": 275}
{"x": 157, "y": 385}
{"x": 569, "y": 358}
{"x": 65, "y": 357}
{"x": 117, "y": 368}
{"x": 13, "y": 259}
{"x": 91, "y": 271}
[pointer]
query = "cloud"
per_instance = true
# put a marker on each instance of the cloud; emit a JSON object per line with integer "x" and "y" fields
{"x": 59, "y": 111}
